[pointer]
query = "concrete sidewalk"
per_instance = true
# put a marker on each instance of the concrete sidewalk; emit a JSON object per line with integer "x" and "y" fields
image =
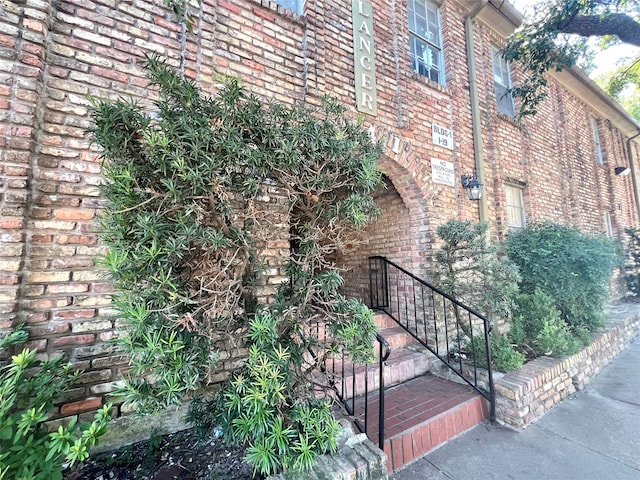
{"x": 594, "y": 435}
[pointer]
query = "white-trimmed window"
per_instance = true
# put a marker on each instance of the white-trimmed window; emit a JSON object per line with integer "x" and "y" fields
{"x": 502, "y": 83}
{"x": 425, "y": 40}
{"x": 596, "y": 138}
{"x": 515, "y": 208}
{"x": 293, "y": 5}
{"x": 608, "y": 227}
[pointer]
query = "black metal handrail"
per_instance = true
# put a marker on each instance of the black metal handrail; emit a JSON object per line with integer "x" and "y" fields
{"x": 354, "y": 395}
{"x": 437, "y": 320}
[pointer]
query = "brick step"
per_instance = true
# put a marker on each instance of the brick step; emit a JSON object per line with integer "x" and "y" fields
{"x": 396, "y": 336}
{"x": 422, "y": 414}
{"x": 383, "y": 320}
{"x": 403, "y": 364}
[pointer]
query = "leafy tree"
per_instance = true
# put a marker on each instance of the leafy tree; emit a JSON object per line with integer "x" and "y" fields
{"x": 555, "y": 36}
{"x": 190, "y": 187}
{"x": 624, "y": 86}
{"x": 473, "y": 271}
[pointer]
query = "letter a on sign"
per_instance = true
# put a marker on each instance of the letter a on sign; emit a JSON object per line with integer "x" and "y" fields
{"x": 364, "y": 59}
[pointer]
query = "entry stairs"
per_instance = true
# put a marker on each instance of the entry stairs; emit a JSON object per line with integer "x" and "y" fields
{"x": 421, "y": 409}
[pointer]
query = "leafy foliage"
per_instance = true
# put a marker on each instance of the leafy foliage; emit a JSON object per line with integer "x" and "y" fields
{"x": 632, "y": 261}
{"x": 504, "y": 355}
{"x": 27, "y": 393}
{"x": 194, "y": 189}
{"x": 569, "y": 266}
{"x": 475, "y": 272}
{"x": 553, "y": 286}
{"x": 555, "y": 38}
{"x": 538, "y": 328}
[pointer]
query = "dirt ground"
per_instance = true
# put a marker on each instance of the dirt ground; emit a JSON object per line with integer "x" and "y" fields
{"x": 176, "y": 456}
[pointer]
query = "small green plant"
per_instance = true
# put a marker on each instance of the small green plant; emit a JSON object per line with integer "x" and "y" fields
{"x": 504, "y": 356}
{"x": 571, "y": 267}
{"x": 27, "y": 393}
{"x": 538, "y": 328}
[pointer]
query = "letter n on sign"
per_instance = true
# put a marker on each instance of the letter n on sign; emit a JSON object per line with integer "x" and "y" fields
{"x": 364, "y": 58}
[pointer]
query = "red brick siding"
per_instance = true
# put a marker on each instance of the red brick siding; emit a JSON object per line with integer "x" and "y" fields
{"x": 51, "y": 56}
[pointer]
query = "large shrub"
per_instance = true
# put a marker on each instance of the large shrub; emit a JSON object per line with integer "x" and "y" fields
{"x": 189, "y": 185}
{"x": 570, "y": 266}
{"x": 505, "y": 357}
{"x": 632, "y": 261}
{"x": 28, "y": 389}
{"x": 473, "y": 270}
{"x": 538, "y": 327}
{"x": 480, "y": 275}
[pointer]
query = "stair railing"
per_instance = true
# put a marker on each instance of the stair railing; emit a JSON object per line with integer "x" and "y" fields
{"x": 353, "y": 389}
{"x": 442, "y": 324}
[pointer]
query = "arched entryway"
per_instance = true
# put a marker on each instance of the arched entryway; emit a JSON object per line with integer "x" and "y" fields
{"x": 401, "y": 233}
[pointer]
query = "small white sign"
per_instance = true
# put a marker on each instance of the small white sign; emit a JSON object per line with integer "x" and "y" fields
{"x": 442, "y": 136}
{"x": 443, "y": 172}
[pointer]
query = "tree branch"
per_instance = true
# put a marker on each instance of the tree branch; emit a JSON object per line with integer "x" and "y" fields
{"x": 619, "y": 24}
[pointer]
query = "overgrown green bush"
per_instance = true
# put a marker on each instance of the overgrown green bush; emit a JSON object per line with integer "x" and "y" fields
{"x": 504, "y": 356}
{"x": 570, "y": 266}
{"x": 27, "y": 391}
{"x": 475, "y": 272}
{"x": 538, "y": 328}
{"x": 192, "y": 186}
{"x": 480, "y": 275}
{"x": 632, "y": 261}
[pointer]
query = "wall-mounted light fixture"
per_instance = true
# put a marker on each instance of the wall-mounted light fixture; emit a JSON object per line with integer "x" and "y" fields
{"x": 472, "y": 186}
{"x": 622, "y": 171}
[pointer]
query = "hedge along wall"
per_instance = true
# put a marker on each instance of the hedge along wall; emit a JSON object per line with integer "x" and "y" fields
{"x": 527, "y": 394}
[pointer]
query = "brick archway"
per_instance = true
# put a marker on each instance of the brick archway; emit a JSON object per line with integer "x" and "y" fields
{"x": 401, "y": 233}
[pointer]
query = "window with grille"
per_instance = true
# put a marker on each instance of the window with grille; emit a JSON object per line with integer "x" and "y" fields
{"x": 425, "y": 40}
{"x": 515, "y": 208}
{"x": 502, "y": 84}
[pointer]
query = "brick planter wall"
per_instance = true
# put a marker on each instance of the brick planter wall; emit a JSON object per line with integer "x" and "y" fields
{"x": 526, "y": 395}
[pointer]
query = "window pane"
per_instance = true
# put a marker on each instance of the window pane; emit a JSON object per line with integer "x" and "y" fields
{"x": 293, "y": 5}
{"x": 424, "y": 40}
{"x": 504, "y": 99}
{"x": 596, "y": 137}
{"x": 501, "y": 83}
{"x": 515, "y": 208}
{"x": 608, "y": 228}
{"x": 425, "y": 59}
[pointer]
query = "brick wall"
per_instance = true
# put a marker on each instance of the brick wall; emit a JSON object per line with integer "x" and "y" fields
{"x": 388, "y": 236}
{"x": 53, "y": 54}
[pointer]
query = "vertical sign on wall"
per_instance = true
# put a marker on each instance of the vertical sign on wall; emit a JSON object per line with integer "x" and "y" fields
{"x": 364, "y": 57}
